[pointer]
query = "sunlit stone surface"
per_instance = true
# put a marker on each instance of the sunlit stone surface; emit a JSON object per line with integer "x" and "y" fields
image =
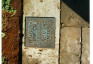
{"x": 70, "y": 45}
{"x": 86, "y": 46}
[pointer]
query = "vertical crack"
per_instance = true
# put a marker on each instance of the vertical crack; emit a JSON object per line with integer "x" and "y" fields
{"x": 81, "y": 47}
{"x": 60, "y": 32}
{"x": 21, "y": 35}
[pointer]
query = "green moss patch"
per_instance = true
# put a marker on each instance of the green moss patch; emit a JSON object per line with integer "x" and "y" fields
{"x": 7, "y": 6}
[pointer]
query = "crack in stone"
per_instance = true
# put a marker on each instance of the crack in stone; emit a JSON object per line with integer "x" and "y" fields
{"x": 81, "y": 47}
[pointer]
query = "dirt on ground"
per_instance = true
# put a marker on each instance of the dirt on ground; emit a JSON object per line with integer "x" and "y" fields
{"x": 11, "y": 28}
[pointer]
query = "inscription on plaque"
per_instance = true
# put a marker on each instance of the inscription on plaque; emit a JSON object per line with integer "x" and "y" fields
{"x": 40, "y": 32}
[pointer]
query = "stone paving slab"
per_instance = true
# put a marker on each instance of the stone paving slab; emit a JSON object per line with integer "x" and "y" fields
{"x": 86, "y": 46}
{"x": 41, "y": 8}
{"x": 70, "y": 45}
{"x": 69, "y": 18}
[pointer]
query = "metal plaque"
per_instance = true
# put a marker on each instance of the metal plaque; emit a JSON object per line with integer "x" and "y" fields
{"x": 40, "y": 32}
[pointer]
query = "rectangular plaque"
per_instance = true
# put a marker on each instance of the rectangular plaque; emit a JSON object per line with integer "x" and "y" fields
{"x": 40, "y": 32}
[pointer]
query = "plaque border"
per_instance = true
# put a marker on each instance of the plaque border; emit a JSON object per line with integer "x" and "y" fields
{"x": 35, "y": 46}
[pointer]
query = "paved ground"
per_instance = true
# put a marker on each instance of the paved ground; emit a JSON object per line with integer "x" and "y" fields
{"x": 74, "y": 40}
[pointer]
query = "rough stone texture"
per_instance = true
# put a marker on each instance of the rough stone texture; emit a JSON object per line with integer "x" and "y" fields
{"x": 85, "y": 46}
{"x": 69, "y": 18}
{"x": 70, "y": 45}
{"x": 27, "y": 61}
{"x": 42, "y": 8}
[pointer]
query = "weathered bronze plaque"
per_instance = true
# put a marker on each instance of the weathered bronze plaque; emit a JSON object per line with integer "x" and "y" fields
{"x": 40, "y": 32}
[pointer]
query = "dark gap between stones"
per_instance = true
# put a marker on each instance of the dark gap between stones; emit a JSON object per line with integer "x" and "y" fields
{"x": 21, "y": 35}
{"x": 81, "y": 47}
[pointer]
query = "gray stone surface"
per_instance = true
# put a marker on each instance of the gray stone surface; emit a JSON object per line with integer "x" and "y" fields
{"x": 70, "y": 45}
{"x": 69, "y": 18}
{"x": 85, "y": 46}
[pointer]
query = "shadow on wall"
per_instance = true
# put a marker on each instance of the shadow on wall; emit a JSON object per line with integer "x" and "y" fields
{"x": 81, "y": 7}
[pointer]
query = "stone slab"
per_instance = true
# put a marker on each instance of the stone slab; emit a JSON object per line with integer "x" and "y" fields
{"x": 86, "y": 46}
{"x": 69, "y": 18}
{"x": 42, "y": 8}
{"x": 70, "y": 45}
